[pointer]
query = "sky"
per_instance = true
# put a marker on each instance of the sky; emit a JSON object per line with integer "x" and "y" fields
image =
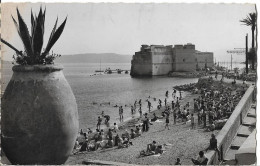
{"x": 123, "y": 27}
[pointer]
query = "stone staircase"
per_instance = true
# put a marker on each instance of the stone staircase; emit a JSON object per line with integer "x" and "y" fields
{"x": 245, "y": 129}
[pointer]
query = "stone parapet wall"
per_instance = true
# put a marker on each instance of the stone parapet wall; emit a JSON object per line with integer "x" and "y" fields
{"x": 228, "y": 132}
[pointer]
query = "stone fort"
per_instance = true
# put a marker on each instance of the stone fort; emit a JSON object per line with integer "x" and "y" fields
{"x": 160, "y": 60}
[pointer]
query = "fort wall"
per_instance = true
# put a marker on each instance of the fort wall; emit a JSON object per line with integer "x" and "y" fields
{"x": 204, "y": 59}
{"x": 184, "y": 59}
{"x": 160, "y": 60}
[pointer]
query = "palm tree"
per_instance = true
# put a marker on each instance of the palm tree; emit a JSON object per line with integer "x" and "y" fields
{"x": 250, "y": 20}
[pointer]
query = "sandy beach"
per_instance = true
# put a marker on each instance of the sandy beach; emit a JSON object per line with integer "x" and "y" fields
{"x": 180, "y": 142}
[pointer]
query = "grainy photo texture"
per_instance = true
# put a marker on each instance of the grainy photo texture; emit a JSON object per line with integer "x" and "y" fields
{"x": 128, "y": 83}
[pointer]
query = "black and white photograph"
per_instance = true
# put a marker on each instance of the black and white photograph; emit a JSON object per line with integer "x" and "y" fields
{"x": 129, "y": 83}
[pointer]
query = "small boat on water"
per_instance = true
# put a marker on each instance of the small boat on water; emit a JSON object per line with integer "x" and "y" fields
{"x": 119, "y": 71}
{"x": 108, "y": 71}
{"x": 99, "y": 71}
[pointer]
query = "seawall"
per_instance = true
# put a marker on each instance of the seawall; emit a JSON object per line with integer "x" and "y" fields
{"x": 227, "y": 133}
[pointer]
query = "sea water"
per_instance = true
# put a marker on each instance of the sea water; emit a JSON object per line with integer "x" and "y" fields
{"x": 104, "y": 92}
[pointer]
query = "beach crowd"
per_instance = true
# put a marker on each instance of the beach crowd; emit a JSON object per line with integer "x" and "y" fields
{"x": 210, "y": 111}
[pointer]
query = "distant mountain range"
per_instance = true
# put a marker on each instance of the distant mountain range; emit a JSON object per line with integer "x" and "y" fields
{"x": 94, "y": 58}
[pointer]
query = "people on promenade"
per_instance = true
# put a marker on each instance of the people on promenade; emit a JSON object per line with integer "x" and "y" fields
{"x": 213, "y": 145}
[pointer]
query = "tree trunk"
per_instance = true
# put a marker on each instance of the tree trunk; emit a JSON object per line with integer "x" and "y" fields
{"x": 246, "y": 54}
{"x": 253, "y": 47}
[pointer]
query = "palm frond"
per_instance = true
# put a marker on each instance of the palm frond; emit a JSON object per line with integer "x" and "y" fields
{"x": 246, "y": 22}
{"x": 249, "y": 20}
{"x": 24, "y": 34}
{"x": 55, "y": 37}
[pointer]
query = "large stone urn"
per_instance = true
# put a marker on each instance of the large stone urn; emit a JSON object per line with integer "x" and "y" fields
{"x": 39, "y": 116}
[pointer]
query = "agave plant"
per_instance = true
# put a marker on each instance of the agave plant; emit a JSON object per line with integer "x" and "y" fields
{"x": 33, "y": 42}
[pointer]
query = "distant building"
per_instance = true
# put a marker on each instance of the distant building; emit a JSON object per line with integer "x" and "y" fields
{"x": 160, "y": 59}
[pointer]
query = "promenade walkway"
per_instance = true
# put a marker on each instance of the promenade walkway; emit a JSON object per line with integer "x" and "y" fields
{"x": 242, "y": 149}
{"x": 245, "y": 130}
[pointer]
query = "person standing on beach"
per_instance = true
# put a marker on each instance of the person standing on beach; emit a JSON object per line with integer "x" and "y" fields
{"x": 199, "y": 117}
{"x": 132, "y": 110}
{"x": 149, "y": 105}
{"x": 167, "y": 122}
{"x": 166, "y": 94}
{"x": 121, "y": 117}
{"x": 174, "y": 93}
{"x": 204, "y": 118}
{"x": 103, "y": 113}
{"x": 192, "y": 122}
{"x": 165, "y": 101}
{"x": 177, "y": 102}
{"x": 140, "y": 110}
{"x": 174, "y": 116}
{"x": 99, "y": 123}
{"x": 195, "y": 105}
{"x": 145, "y": 122}
{"x": 159, "y": 104}
{"x": 180, "y": 95}
{"x": 135, "y": 104}
{"x": 173, "y": 104}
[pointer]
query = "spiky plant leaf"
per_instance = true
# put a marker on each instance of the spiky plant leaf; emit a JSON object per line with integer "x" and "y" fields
{"x": 32, "y": 22}
{"x": 37, "y": 38}
{"x": 53, "y": 31}
{"x": 25, "y": 36}
{"x": 16, "y": 25}
{"x": 43, "y": 17}
{"x": 55, "y": 37}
